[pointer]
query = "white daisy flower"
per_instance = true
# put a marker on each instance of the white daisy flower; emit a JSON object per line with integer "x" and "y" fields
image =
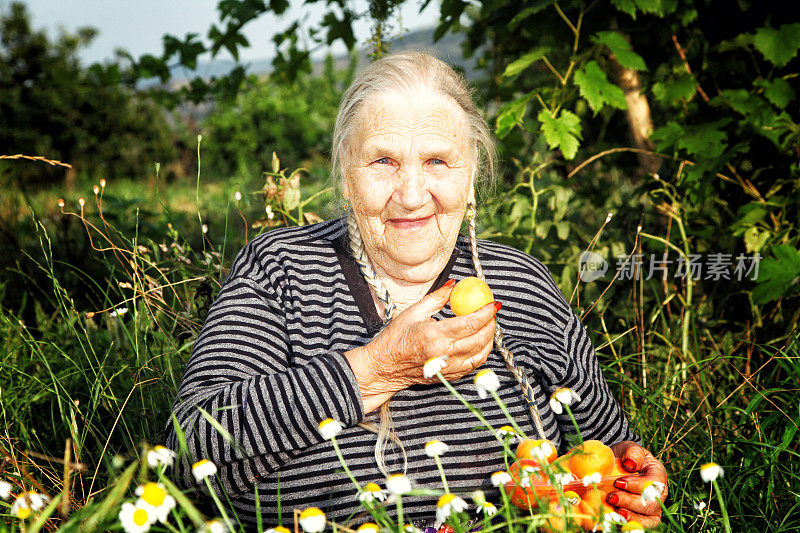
{"x": 562, "y": 478}
{"x": 435, "y": 448}
{"x": 160, "y": 455}
{"x": 432, "y": 366}
{"x": 651, "y": 491}
{"x": 205, "y": 228}
{"x": 594, "y": 478}
{"x": 543, "y": 451}
{"x": 5, "y": 489}
{"x": 372, "y": 491}
{"x": 632, "y": 527}
{"x": 411, "y": 528}
{"x": 203, "y": 469}
{"x": 329, "y": 428}
{"x": 610, "y": 522}
{"x": 216, "y": 526}
{"x": 368, "y": 527}
{"x": 486, "y": 381}
{"x": 572, "y": 497}
{"x": 278, "y": 529}
{"x": 562, "y": 396}
{"x": 508, "y": 431}
{"x": 120, "y": 311}
{"x": 398, "y": 484}
{"x": 711, "y": 471}
{"x": 136, "y": 518}
{"x": 478, "y": 497}
{"x": 237, "y": 196}
{"x": 155, "y": 495}
{"x": 28, "y": 503}
{"x": 500, "y": 478}
{"x": 312, "y": 520}
{"x": 447, "y": 505}
{"x": 488, "y": 508}
{"x": 525, "y": 475}
{"x": 699, "y": 506}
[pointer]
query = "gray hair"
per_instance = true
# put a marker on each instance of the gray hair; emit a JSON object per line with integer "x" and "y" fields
{"x": 402, "y": 72}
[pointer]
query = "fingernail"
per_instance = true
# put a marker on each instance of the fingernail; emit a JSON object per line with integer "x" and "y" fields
{"x": 624, "y": 513}
{"x": 629, "y": 465}
{"x": 497, "y": 306}
{"x": 612, "y": 499}
{"x": 450, "y": 283}
{"x": 621, "y": 484}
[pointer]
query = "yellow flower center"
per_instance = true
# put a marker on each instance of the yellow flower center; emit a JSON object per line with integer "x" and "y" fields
{"x": 281, "y": 529}
{"x": 23, "y": 513}
{"x": 199, "y": 463}
{"x": 508, "y": 429}
{"x": 311, "y": 511}
{"x": 140, "y": 517}
{"x": 444, "y": 500}
{"x": 153, "y": 494}
{"x": 372, "y": 487}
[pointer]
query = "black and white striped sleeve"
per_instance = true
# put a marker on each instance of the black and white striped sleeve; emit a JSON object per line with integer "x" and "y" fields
{"x": 598, "y": 414}
{"x": 243, "y": 403}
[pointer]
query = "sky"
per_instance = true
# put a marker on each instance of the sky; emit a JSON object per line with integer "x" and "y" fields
{"x": 138, "y": 25}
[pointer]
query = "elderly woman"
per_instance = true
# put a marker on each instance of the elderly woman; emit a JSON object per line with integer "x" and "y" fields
{"x": 337, "y": 319}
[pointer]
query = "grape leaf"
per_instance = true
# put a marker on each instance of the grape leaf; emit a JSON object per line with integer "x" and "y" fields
{"x": 682, "y": 87}
{"x": 665, "y": 137}
{"x": 778, "y": 275}
{"x": 777, "y": 91}
{"x": 517, "y": 66}
{"x": 626, "y": 6}
{"x": 562, "y": 132}
{"x": 705, "y": 140}
{"x": 778, "y": 46}
{"x": 621, "y": 49}
{"x": 596, "y": 89}
{"x": 511, "y": 114}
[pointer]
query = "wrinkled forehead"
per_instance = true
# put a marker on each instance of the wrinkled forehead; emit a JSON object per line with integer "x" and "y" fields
{"x": 420, "y": 113}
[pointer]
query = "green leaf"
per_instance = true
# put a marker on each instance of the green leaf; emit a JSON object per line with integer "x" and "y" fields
{"x": 705, "y": 140}
{"x": 621, "y": 48}
{"x": 626, "y": 6}
{"x": 527, "y": 12}
{"x": 754, "y": 240}
{"x": 778, "y": 46}
{"x": 511, "y": 114}
{"x": 517, "y": 66}
{"x": 778, "y": 275}
{"x": 665, "y": 137}
{"x": 340, "y": 29}
{"x": 562, "y": 132}
{"x": 777, "y": 91}
{"x": 740, "y": 100}
{"x": 596, "y": 89}
{"x": 681, "y": 88}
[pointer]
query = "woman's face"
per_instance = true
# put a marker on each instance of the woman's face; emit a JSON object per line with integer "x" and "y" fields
{"x": 409, "y": 180}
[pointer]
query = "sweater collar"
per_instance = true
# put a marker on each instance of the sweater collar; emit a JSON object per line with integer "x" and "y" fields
{"x": 360, "y": 289}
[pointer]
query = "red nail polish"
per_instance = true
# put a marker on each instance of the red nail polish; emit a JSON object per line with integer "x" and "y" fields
{"x": 612, "y": 499}
{"x": 621, "y": 484}
{"x": 450, "y": 283}
{"x": 497, "y": 306}
{"x": 629, "y": 465}
{"x": 624, "y": 513}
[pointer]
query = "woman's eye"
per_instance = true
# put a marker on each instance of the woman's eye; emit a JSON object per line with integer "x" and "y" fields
{"x": 383, "y": 161}
{"x": 437, "y": 161}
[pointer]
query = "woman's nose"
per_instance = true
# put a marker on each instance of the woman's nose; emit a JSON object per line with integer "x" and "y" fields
{"x": 411, "y": 191}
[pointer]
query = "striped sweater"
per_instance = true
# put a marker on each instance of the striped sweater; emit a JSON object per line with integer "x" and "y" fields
{"x": 268, "y": 366}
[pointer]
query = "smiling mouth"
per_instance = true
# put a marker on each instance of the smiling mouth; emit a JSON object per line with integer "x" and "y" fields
{"x": 409, "y": 223}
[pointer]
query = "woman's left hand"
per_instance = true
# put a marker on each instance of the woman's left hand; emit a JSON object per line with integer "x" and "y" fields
{"x": 627, "y": 498}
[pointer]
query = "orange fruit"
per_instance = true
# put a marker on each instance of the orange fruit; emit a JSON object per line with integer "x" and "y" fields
{"x": 469, "y": 295}
{"x": 592, "y": 456}
{"x": 559, "y": 518}
{"x": 525, "y": 450}
{"x": 526, "y": 497}
{"x": 617, "y": 470}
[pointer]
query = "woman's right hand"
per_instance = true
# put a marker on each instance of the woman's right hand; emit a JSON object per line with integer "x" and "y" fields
{"x": 394, "y": 359}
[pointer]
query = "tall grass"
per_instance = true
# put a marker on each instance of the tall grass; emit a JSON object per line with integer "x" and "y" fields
{"x": 87, "y": 379}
